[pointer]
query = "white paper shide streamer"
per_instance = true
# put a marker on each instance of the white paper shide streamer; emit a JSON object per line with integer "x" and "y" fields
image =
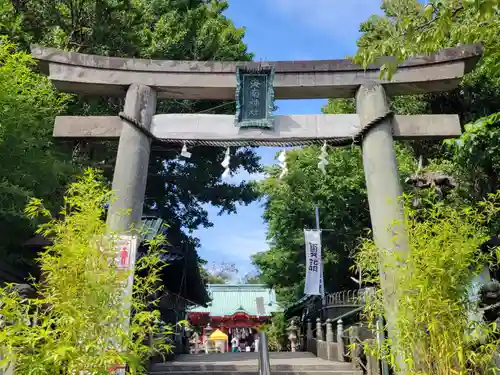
{"x": 282, "y": 160}
{"x": 323, "y": 162}
{"x": 225, "y": 164}
{"x": 314, "y": 269}
{"x": 184, "y": 152}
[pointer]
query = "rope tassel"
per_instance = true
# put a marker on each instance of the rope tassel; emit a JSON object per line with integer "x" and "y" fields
{"x": 323, "y": 161}
{"x": 282, "y": 160}
{"x": 225, "y": 163}
{"x": 184, "y": 152}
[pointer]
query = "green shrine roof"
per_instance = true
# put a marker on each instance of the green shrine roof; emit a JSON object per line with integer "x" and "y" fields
{"x": 227, "y": 299}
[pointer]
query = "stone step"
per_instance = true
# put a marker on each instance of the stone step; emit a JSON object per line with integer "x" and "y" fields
{"x": 334, "y": 368}
{"x": 238, "y": 372}
{"x": 283, "y": 363}
{"x": 166, "y": 367}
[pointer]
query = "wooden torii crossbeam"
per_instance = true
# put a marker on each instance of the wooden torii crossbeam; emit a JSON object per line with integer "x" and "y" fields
{"x": 143, "y": 81}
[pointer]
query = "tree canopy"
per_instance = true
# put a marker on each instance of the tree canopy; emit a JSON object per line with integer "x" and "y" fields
{"x": 409, "y": 28}
{"x": 32, "y": 164}
{"x": 218, "y": 273}
{"x": 168, "y": 29}
{"x": 289, "y": 208}
{"x": 406, "y": 28}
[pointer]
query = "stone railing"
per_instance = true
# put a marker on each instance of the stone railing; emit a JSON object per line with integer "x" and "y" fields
{"x": 355, "y": 297}
{"x": 340, "y": 345}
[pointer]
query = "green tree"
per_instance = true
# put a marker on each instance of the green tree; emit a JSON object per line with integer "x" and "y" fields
{"x": 210, "y": 278}
{"x": 164, "y": 29}
{"x": 409, "y": 27}
{"x": 32, "y": 164}
{"x": 251, "y": 278}
{"x": 277, "y": 333}
{"x": 290, "y": 207}
{"x": 218, "y": 273}
{"x": 343, "y": 205}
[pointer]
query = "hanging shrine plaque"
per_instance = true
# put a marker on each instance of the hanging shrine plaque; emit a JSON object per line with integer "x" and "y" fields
{"x": 254, "y": 97}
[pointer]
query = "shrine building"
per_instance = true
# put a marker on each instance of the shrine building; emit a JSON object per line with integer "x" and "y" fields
{"x": 236, "y": 309}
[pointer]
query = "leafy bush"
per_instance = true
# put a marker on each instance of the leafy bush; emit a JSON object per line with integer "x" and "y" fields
{"x": 76, "y": 325}
{"x": 434, "y": 331}
{"x": 476, "y": 158}
{"x": 277, "y": 333}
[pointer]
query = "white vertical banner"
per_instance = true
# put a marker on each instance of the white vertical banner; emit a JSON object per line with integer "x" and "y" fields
{"x": 314, "y": 268}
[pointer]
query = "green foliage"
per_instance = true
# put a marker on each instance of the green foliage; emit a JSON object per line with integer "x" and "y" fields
{"x": 410, "y": 28}
{"x": 164, "y": 29}
{"x": 476, "y": 156}
{"x": 32, "y": 164}
{"x": 289, "y": 208}
{"x": 218, "y": 273}
{"x": 434, "y": 330}
{"x": 76, "y": 323}
{"x": 9, "y": 21}
{"x": 277, "y": 334}
{"x": 210, "y": 278}
{"x": 251, "y": 278}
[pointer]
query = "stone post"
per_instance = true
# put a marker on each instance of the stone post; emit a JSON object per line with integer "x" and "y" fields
{"x": 292, "y": 336}
{"x": 329, "y": 331}
{"x": 207, "y": 332}
{"x": 340, "y": 340}
{"x": 132, "y": 160}
{"x": 380, "y": 341}
{"x": 196, "y": 338}
{"x": 309, "y": 333}
{"x": 319, "y": 330}
{"x": 331, "y": 348}
{"x": 372, "y": 364}
{"x": 384, "y": 192}
{"x": 355, "y": 345}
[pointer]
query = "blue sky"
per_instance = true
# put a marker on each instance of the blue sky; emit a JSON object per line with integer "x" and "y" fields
{"x": 281, "y": 30}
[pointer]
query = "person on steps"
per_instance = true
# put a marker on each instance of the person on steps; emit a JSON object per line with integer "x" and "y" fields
{"x": 235, "y": 343}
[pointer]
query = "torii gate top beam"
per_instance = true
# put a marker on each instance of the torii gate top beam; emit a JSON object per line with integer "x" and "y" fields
{"x": 100, "y": 75}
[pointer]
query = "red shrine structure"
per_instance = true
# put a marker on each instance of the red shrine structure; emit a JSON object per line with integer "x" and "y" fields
{"x": 241, "y": 308}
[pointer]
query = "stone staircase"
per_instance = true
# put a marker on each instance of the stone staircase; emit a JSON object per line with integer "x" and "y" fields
{"x": 286, "y": 363}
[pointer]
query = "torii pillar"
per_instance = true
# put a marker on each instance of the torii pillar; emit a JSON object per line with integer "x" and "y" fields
{"x": 384, "y": 197}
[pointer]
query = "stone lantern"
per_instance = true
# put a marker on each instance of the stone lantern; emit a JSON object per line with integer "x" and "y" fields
{"x": 208, "y": 332}
{"x": 292, "y": 335}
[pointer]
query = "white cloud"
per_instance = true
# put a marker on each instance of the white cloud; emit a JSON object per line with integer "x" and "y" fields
{"x": 340, "y": 18}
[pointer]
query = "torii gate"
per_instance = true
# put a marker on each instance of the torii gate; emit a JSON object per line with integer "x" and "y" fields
{"x": 143, "y": 81}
